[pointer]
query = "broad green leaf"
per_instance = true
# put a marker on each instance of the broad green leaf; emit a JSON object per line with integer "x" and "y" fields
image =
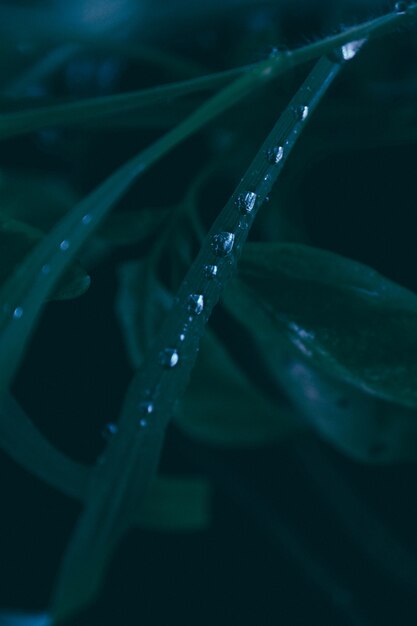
{"x": 17, "y": 239}
{"x": 176, "y": 504}
{"x": 89, "y": 110}
{"x": 343, "y": 317}
{"x": 360, "y": 425}
{"x": 221, "y": 406}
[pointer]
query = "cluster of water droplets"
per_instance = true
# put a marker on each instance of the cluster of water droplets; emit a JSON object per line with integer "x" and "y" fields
{"x": 146, "y": 409}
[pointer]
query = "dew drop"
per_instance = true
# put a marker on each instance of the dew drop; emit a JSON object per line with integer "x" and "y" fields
{"x": 301, "y": 112}
{"x": 64, "y": 245}
{"x": 182, "y": 337}
{"x": 222, "y": 243}
{"x": 45, "y": 269}
{"x": 347, "y": 52}
{"x": 350, "y": 49}
{"x": 196, "y": 303}
{"x": 246, "y": 201}
{"x": 109, "y": 430}
{"x": 86, "y": 219}
{"x": 274, "y": 155}
{"x": 143, "y": 422}
{"x": 18, "y": 313}
{"x": 210, "y": 271}
{"x": 244, "y": 223}
{"x": 169, "y": 357}
{"x": 146, "y": 408}
{"x": 400, "y": 7}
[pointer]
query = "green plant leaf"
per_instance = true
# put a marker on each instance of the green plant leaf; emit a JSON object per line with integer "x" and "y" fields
{"x": 17, "y": 239}
{"x": 89, "y": 110}
{"x": 344, "y": 318}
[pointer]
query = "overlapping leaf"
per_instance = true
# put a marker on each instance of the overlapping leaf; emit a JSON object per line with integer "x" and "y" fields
{"x": 343, "y": 317}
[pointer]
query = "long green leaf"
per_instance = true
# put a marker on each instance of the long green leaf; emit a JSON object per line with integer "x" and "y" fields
{"x": 345, "y": 318}
{"x": 23, "y": 295}
{"x": 79, "y": 112}
{"x": 122, "y": 479}
{"x": 92, "y": 109}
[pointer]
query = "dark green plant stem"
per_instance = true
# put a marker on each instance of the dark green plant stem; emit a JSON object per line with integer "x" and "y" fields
{"x": 122, "y": 477}
{"x": 89, "y": 109}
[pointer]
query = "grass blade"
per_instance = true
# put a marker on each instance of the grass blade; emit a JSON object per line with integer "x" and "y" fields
{"x": 12, "y": 124}
{"x": 91, "y": 109}
{"x": 123, "y": 476}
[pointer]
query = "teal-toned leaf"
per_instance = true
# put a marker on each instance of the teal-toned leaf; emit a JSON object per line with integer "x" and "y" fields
{"x": 176, "y": 504}
{"x": 89, "y": 110}
{"x": 221, "y": 406}
{"x": 360, "y": 425}
{"x": 234, "y": 412}
{"x": 344, "y": 318}
{"x": 29, "y": 286}
{"x": 17, "y": 239}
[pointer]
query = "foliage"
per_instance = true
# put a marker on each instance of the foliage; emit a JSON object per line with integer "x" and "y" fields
{"x": 305, "y": 341}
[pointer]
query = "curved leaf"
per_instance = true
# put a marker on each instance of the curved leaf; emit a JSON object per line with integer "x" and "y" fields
{"x": 344, "y": 318}
{"x": 16, "y": 241}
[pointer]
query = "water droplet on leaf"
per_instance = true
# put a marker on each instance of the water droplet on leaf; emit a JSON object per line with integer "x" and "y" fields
{"x": 64, "y": 245}
{"x": 301, "y": 112}
{"x": 274, "y": 155}
{"x": 86, "y": 219}
{"x": 210, "y": 271}
{"x": 146, "y": 408}
{"x": 222, "y": 243}
{"x": 246, "y": 201}
{"x": 347, "y": 52}
{"x": 401, "y": 7}
{"x": 169, "y": 358}
{"x": 110, "y": 430}
{"x": 18, "y": 313}
{"x": 196, "y": 303}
